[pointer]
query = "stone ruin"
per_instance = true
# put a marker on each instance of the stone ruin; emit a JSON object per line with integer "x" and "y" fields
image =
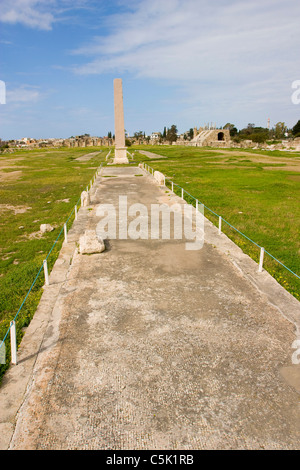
{"x": 211, "y": 137}
{"x": 207, "y": 136}
{"x": 82, "y": 141}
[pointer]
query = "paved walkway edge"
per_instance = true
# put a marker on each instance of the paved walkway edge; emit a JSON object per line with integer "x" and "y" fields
{"x": 17, "y": 378}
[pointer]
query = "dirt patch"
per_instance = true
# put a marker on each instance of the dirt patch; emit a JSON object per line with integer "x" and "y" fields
{"x": 230, "y": 166}
{"x": 256, "y": 157}
{"x": 7, "y": 162}
{"x": 11, "y": 176}
{"x": 34, "y": 235}
{"x": 241, "y": 153}
{"x": 295, "y": 168}
{"x": 16, "y": 209}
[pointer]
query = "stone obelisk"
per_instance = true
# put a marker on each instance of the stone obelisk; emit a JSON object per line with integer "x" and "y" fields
{"x": 120, "y": 149}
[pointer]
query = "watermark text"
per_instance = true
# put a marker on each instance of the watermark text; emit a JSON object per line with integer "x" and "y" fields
{"x": 136, "y": 222}
{"x": 296, "y": 95}
{"x": 2, "y": 92}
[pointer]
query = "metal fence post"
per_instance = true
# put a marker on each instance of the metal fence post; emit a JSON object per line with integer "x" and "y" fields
{"x": 46, "y": 273}
{"x": 76, "y": 213}
{"x": 261, "y": 260}
{"x": 181, "y": 193}
{"x": 220, "y": 225}
{"x": 172, "y": 187}
{"x": 13, "y": 342}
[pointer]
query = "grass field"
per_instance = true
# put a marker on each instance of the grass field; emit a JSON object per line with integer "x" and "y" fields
{"x": 36, "y": 187}
{"x": 258, "y": 192}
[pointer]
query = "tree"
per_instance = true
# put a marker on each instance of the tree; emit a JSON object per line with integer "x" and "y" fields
{"x": 249, "y": 129}
{"x": 280, "y": 130}
{"x": 164, "y": 133}
{"x": 232, "y": 129}
{"x": 256, "y": 134}
{"x": 191, "y": 133}
{"x": 109, "y": 135}
{"x": 172, "y": 134}
{"x": 296, "y": 129}
{"x": 138, "y": 135}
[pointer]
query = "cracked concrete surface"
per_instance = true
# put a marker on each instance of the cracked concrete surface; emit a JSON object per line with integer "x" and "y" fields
{"x": 150, "y": 346}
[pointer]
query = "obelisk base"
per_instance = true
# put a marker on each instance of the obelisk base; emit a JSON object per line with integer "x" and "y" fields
{"x": 121, "y": 155}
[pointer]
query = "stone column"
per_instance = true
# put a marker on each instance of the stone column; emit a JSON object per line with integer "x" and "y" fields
{"x": 120, "y": 149}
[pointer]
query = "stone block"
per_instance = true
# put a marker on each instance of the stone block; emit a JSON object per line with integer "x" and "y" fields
{"x": 90, "y": 243}
{"x": 85, "y": 199}
{"x": 46, "y": 228}
{"x": 159, "y": 177}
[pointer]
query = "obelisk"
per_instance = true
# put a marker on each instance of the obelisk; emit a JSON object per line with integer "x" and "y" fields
{"x": 120, "y": 149}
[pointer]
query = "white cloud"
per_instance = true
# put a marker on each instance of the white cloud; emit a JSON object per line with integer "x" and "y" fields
{"x": 39, "y": 14}
{"x": 32, "y": 13}
{"x": 228, "y": 57}
{"x": 198, "y": 40}
{"x": 23, "y": 94}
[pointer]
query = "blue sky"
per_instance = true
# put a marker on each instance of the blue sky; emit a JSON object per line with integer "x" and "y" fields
{"x": 182, "y": 62}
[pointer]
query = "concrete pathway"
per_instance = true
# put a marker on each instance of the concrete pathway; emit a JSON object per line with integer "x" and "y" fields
{"x": 151, "y": 155}
{"x": 87, "y": 156}
{"x": 150, "y": 346}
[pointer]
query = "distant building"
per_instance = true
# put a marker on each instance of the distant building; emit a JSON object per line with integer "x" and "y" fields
{"x": 155, "y": 137}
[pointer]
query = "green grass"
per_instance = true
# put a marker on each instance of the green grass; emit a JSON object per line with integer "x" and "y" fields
{"x": 264, "y": 204}
{"x": 49, "y": 186}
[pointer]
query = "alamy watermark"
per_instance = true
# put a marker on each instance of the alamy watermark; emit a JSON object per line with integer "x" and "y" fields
{"x": 296, "y": 354}
{"x": 296, "y": 95}
{"x": 137, "y": 222}
{"x": 2, "y": 92}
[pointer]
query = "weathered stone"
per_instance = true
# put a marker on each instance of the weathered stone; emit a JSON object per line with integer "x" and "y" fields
{"x": 90, "y": 243}
{"x": 46, "y": 228}
{"x": 85, "y": 199}
{"x": 159, "y": 177}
